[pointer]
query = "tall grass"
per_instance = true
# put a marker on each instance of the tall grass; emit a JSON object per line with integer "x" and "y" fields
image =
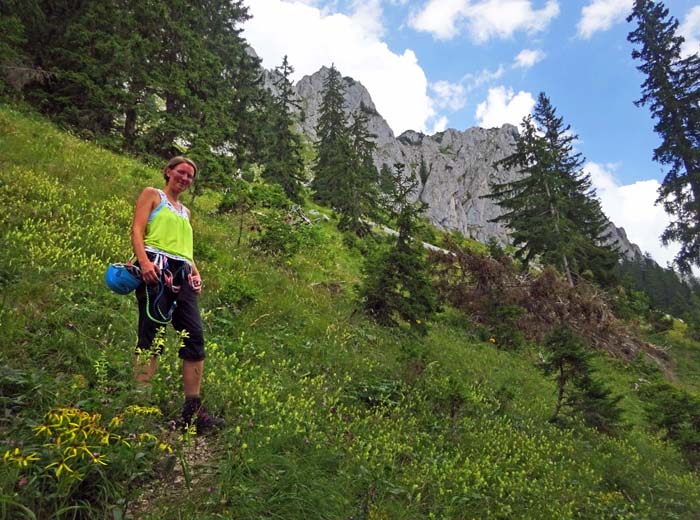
{"x": 328, "y": 415}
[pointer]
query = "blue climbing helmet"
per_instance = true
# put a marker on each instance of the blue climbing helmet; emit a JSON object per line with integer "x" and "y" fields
{"x": 123, "y": 278}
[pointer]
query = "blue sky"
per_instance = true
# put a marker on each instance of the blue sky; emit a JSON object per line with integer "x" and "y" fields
{"x": 436, "y": 64}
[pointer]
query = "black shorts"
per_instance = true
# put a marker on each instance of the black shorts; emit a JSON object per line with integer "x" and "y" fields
{"x": 159, "y": 304}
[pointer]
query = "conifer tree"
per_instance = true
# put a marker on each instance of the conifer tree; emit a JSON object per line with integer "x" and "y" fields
{"x": 284, "y": 164}
{"x": 672, "y": 92}
{"x": 580, "y": 205}
{"x": 577, "y": 390}
{"x": 147, "y": 75}
{"x": 333, "y": 146}
{"x": 423, "y": 171}
{"x": 360, "y": 185}
{"x": 550, "y": 209}
{"x": 386, "y": 181}
{"x": 208, "y": 81}
{"x": 345, "y": 177}
{"x": 396, "y": 283}
{"x": 15, "y": 68}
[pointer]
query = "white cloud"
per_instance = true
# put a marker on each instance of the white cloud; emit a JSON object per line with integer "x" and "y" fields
{"x": 312, "y": 38}
{"x": 474, "y": 81}
{"x": 502, "y": 18}
{"x": 504, "y": 106}
{"x": 690, "y": 30}
{"x": 439, "y": 17}
{"x": 600, "y": 15}
{"x": 438, "y": 126}
{"x": 527, "y": 58}
{"x": 483, "y": 19}
{"x": 448, "y": 95}
{"x": 368, "y": 14}
{"x": 632, "y": 207}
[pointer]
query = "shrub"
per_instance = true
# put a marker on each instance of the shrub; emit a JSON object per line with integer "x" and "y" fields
{"x": 283, "y": 235}
{"x": 661, "y": 322}
{"x": 505, "y": 326}
{"x": 577, "y": 391}
{"x": 396, "y": 285}
{"x": 480, "y": 287}
{"x": 244, "y": 195}
{"x": 237, "y": 292}
{"x": 675, "y": 413}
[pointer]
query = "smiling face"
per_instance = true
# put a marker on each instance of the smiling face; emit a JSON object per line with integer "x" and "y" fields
{"x": 180, "y": 176}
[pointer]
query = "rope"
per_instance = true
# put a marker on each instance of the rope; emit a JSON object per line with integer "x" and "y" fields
{"x": 168, "y": 317}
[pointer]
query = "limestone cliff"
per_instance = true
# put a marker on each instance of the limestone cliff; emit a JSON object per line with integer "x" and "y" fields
{"x": 458, "y": 165}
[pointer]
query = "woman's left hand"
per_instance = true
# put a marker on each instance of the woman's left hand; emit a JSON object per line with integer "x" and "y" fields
{"x": 195, "y": 282}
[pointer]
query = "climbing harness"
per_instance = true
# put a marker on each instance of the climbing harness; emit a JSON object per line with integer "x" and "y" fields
{"x": 166, "y": 280}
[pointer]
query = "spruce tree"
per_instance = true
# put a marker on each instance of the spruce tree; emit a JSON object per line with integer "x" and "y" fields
{"x": 551, "y": 210}
{"x": 333, "y": 146}
{"x": 588, "y": 246}
{"x": 396, "y": 282}
{"x": 386, "y": 181}
{"x": 15, "y": 68}
{"x": 345, "y": 177}
{"x": 150, "y": 76}
{"x": 577, "y": 390}
{"x": 284, "y": 164}
{"x": 672, "y": 91}
{"x": 359, "y": 188}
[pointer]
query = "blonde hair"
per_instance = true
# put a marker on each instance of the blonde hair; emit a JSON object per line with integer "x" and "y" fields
{"x": 172, "y": 163}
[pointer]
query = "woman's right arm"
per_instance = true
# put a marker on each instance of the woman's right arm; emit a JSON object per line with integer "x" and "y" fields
{"x": 146, "y": 202}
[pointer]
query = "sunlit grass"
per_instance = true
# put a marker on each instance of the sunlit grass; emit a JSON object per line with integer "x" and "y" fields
{"x": 328, "y": 414}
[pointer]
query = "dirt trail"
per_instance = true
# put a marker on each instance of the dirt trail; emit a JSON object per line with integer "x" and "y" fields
{"x": 170, "y": 483}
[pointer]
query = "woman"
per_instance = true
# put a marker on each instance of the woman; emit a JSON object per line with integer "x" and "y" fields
{"x": 162, "y": 239}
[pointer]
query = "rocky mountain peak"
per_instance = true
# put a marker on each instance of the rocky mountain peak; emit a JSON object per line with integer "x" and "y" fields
{"x": 309, "y": 89}
{"x": 459, "y": 165}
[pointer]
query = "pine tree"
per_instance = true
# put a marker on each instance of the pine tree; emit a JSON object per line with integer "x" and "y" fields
{"x": 386, "y": 181}
{"x": 208, "y": 81}
{"x": 551, "y": 210}
{"x": 15, "y": 68}
{"x": 672, "y": 91}
{"x": 580, "y": 205}
{"x": 577, "y": 390}
{"x": 423, "y": 171}
{"x": 284, "y": 164}
{"x": 333, "y": 146}
{"x": 396, "y": 282}
{"x": 150, "y": 76}
{"x": 360, "y": 185}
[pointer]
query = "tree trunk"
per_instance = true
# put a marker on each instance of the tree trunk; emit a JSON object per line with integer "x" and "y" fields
{"x": 561, "y": 381}
{"x": 129, "y": 128}
{"x": 555, "y": 215}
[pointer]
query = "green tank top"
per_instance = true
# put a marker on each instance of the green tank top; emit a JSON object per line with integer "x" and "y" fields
{"x": 169, "y": 231}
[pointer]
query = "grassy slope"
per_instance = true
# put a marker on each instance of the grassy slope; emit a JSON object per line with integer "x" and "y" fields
{"x": 329, "y": 416}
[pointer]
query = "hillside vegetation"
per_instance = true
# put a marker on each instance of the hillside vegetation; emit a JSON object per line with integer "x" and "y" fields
{"x": 329, "y": 415}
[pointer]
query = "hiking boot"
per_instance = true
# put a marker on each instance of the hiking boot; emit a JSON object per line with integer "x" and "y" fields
{"x": 194, "y": 412}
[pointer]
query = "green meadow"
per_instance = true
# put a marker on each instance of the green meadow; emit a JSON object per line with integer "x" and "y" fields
{"x": 328, "y": 415}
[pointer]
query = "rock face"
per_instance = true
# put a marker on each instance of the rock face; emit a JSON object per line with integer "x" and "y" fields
{"x": 457, "y": 166}
{"x": 458, "y": 170}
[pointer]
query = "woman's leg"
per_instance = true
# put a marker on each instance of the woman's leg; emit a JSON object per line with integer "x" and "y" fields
{"x": 144, "y": 370}
{"x": 148, "y": 350}
{"x": 192, "y": 377}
